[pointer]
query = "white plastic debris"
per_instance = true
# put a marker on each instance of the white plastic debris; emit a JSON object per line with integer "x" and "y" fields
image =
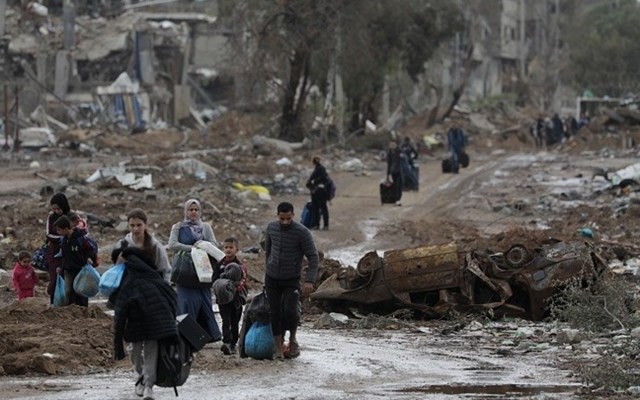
{"x": 283, "y": 162}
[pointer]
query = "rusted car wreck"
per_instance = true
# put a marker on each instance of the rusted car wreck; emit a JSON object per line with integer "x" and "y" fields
{"x": 437, "y": 279}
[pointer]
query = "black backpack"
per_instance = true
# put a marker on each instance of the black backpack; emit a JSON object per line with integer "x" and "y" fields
{"x": 174, "y": 363}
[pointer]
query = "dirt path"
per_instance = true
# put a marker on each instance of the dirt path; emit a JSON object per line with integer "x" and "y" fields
{"x": 359, "y": 223}
{"x": 370, "y": 363}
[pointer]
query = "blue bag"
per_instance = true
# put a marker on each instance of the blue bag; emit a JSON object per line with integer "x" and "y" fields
{"x": 259, "y": 342}
{"x": 111, "y": 279}
{"x": 87, "y": 281}
{"x": 37, "y": 259}
{"x": 59, "y": 295}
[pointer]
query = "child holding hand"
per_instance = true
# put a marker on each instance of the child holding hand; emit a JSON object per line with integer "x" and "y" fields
{"x": 24, "y": 276}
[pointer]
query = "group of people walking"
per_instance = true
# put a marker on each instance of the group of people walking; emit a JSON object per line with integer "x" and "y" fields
{"x": 549, "y": 131}
{"x": 146, "y": 303}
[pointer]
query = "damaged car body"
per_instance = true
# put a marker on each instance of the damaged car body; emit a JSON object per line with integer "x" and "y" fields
{"x": 438, "y": 279}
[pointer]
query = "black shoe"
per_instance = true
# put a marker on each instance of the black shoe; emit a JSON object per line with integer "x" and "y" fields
{"x": 233, "y": 349}
{"x": 225, "y": 349}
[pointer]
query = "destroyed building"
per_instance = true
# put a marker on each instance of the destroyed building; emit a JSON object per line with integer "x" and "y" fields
{"x": 128, "y": 66}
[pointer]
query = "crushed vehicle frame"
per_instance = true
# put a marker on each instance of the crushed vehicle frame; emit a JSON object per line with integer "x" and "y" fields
{"x": 438, "y": 279}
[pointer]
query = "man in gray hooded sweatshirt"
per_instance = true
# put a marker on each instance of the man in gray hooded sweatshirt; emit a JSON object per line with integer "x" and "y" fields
{"x": 286, "y": 243}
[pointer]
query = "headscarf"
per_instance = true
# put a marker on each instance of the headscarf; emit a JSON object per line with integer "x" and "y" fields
{"x": 196, "y": 226}
{"x": 61, "y": 201}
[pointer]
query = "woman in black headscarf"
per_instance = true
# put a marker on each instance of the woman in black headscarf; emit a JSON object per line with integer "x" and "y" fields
{"x": 53, "y": 257}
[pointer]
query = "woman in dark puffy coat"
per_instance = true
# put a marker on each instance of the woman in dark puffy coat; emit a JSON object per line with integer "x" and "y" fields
{"x": 318, "y": 184}
{"x": 145, "y": 312}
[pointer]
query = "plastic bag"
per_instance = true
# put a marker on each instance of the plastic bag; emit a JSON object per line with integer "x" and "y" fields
{"x": 87, "y": 282}
{"x": 259, "y": 342}
{"x": 258, "y": 309}
{"x": 212, "y": 250}
{"x": 59, "y": 295}
{"x": 182, "y": 270}
{"x": 111, "y": 279}
{"x": 202, "y": 265}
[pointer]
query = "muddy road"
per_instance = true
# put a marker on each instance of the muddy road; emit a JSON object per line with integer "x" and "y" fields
{"x": 405, "y": 361}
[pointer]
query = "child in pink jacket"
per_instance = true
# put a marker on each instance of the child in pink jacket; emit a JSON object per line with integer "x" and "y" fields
{"x": 24, "y": 276}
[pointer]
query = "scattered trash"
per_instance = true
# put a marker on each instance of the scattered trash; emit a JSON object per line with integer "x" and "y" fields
{"x": 586, "y": 232}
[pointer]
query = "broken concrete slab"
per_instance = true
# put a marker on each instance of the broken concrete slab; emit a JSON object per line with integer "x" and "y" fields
{"x": 128, "y": 179}
{"x": 267, "y": 145}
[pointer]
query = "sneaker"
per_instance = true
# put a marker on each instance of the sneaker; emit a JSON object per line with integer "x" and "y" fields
{"x": 232, "y": 348}
{"x": 140, "y": 387}
{"x": 225, "y": 349}
{"x": 148, "y": 393}
{"x": 278, "y": 356}
{"x": 294, "y": 350}
{"x": 398, "y": 203}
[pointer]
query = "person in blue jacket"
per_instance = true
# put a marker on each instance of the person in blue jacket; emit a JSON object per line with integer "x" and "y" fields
{"x": 456, "y": 142}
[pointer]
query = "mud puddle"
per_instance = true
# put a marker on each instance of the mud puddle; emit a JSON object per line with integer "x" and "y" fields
{"x": 493, "y": 391}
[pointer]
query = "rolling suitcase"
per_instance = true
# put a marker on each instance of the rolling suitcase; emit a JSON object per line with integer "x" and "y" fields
{"x": 387, "y": 193}
{"x": 412, "y": 179}
{"x": 307, "y": 216}
{"x": 464, "y": 159}
{"x": 447, "y": 167}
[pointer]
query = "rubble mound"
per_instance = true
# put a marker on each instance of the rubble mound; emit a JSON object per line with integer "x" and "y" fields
{"x": 35, "y": 338}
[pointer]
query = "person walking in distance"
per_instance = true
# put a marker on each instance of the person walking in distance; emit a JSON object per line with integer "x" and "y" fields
{"x": 394, "y": 170}
{"x": 286, "y": 243}
{"x": 456, "y": 142}
{"x": 318, "y": 184}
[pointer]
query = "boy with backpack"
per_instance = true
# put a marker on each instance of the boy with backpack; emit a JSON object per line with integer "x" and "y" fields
{"x": 230, "y": 299}
{"x": 77, "y": 250}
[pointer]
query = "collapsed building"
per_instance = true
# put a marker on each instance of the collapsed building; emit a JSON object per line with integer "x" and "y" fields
{"x": 124, "y": 66}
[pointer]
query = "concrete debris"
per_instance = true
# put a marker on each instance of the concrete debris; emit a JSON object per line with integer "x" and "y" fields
{"x": 37, "y": 137}
{"x": 194, "y": 167}
{"x": 90, "y": 43}
{"x": 353, "y": 164}
{"x": 266, "y": 145}
{"x": 128, "y": 179}
{"x": 570, "y": 336}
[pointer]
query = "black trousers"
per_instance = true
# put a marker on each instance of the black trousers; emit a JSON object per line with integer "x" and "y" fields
{"x": 231, "y": 313}
{"x": 283, "y": 296}
{"x": 398, "y": 183}
{"x": 319, "y": 207}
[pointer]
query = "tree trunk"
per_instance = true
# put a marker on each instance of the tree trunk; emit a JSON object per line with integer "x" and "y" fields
{"x": 457, "y": 93}
{"x": 291, "y": 128}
